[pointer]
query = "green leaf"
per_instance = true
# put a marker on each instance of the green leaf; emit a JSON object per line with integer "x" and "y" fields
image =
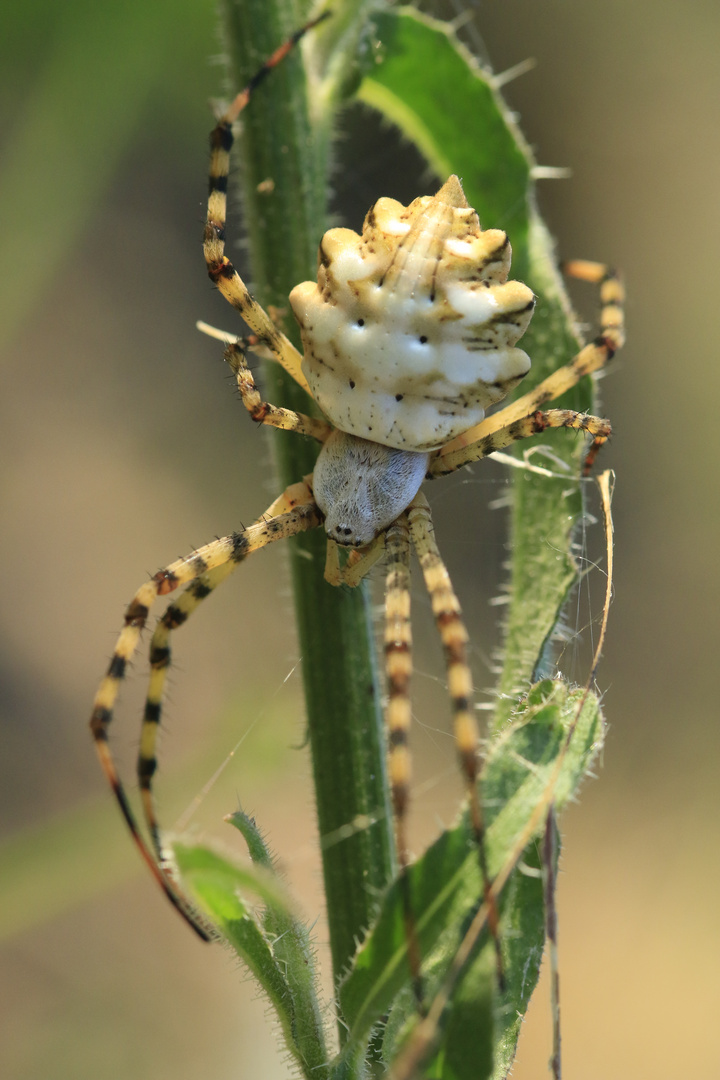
{"x": 293, "y": 950}
{"x": 529, "y": 767}
{"x": 433, "y": 89}
{"x": 274, "y": 944}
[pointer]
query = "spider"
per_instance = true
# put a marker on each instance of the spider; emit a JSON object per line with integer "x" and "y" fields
{"x": 409, "y": 334}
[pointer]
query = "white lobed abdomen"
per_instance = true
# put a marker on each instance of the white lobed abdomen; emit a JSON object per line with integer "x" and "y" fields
{"x": 409, "y": 333}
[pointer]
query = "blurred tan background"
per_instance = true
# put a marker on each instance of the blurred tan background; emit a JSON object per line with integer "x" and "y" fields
{"x": 123, "y": 445}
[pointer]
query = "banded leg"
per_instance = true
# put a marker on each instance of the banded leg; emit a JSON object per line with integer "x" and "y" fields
{"x": 231, "y": 549}
{"x": 174, "y": 617}
{"x": 221, "y": 270}
{"x": 262, "y": 412}
{"x": 454, "y": 638}
{"x": 534, "y": 424}
{"x": 398, "y": 667}
{"x": 160, "y": 660}
{"x": 591, "y": 358}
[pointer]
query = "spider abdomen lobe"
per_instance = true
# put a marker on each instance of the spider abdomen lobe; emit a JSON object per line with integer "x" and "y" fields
{"x": 409, "y": 333}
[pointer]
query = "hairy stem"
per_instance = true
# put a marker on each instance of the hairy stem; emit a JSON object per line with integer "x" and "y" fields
{"x": 285, "y": 149}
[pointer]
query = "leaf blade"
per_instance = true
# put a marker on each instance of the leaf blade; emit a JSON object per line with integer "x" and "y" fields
{"x": 280, "y": 961}
{"x": 532, "y": 764}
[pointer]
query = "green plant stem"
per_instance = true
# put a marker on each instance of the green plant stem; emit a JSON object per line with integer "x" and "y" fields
{"x": 287, "y": 142}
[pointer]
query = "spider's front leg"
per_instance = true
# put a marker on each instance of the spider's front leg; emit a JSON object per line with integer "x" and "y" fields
{"x": 220, "y": 269}
{"x": 295, "y": 511}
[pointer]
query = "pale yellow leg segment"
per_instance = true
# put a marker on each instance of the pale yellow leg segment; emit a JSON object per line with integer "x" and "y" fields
{"x": 590, "y": 359}
{"x": 454, "y": 638}
{"x": 220, "y": 269}
{"x": 160, "y": 659}
{"x": 223, "y": 273}
{"x": 398, "y": 667}
{"x": 534, "y": 424}
{"x": 333, "y": 569}
{"x": 360, "y": 563}
{"x": 299, "y": 494}
{"x": 262, "y": 412}
{"x": 208, "y": 564}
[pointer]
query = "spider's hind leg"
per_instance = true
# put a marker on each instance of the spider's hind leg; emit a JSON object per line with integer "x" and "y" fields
{"x": 454, "y": 638}
{"x": 398, "y": 714}
{"x": 612, "y": 296}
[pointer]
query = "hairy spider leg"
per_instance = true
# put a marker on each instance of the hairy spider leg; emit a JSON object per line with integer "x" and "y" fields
{"x": 524, "y": 428}
{"x": 455, "y": 638}
{"x": 591, "y": 358}
{"x": 262, "y": 412}
{"x": 230, "y": 549}
{"x": 179, "y": 612}
{"x": 243, "y": 97}
{"x": 398, "y": 718}
{"x": 174, "y": 617}
{"x": 220, "y": 269}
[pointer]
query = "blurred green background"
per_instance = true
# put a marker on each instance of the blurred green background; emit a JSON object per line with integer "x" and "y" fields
{"x": 123, "y": 445}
